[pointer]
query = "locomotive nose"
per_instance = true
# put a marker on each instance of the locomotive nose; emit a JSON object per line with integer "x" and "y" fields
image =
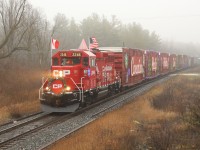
{"x": 57, "y": 86}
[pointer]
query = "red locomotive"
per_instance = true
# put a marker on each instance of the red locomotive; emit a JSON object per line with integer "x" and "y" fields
{"x": 79, "y": 77}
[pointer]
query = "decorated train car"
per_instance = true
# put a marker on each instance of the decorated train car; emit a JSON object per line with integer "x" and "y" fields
{"x": 183, "y": 61}
{"x": 179, "y": 61}
{"x": 172, "y": 62}
{"x": 164, "y": 63}
{"x": 151, "y": 64}
{"x": 186, "y": 60}
{"x": 129, "y": 64}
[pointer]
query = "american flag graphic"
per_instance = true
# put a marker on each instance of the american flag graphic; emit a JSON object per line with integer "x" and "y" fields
{"x": 93, "y": 43}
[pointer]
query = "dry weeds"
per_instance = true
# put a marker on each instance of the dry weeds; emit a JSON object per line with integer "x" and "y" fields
{"x": 19, "y": 93}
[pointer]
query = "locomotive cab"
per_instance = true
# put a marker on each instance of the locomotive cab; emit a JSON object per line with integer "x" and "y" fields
{"x": 73, "y": 72}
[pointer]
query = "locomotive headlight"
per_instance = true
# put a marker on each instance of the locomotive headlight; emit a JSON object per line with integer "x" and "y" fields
{"x": 47, "y": 88}
{"x": 68, "y": 88}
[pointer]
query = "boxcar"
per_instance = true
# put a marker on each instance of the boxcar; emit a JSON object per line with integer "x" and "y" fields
{"x": 164, "y": 63}
{"x": 172, "y": 62}
{"x": 129, "y": 64}
{"x": 185, "y": 61}
{"x": 179, "y": 62}
{"x": 151, "y": 64}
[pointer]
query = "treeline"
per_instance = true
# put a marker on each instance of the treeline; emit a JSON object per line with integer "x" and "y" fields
{"x": 25, "y": 33}
{"x": 108, "y": 32}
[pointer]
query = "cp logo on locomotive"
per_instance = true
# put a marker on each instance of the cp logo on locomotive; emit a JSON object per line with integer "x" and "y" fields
{"x": 57, "y": 86}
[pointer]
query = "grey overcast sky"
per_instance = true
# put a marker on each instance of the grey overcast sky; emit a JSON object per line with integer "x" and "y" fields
{"x": 177, "y": 20}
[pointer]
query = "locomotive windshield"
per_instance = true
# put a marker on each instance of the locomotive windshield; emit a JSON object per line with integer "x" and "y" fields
{"x": 85, "y": 61}
{"x": 70, "y": 61}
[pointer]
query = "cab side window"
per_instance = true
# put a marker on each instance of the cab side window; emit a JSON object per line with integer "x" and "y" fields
{"x": 92, "y": 62}
{"x": 85, "y": 61}
{"x": 55, "y": 62}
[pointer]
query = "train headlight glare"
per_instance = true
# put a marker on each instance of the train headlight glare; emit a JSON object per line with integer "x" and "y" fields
{"x": 68, "y": 88}
{"x": 47, "y": 88}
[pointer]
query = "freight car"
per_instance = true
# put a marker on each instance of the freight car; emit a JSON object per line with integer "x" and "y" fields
{"x": 129, "y": 64}
{"x": 164, "y": 63}
{"x": 172, "y": 62}
{"x": 79, "y": 77}
{"x": 151, "y": 64}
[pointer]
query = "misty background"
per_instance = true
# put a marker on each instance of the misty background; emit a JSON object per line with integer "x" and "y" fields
{"x": 26, "y": 27}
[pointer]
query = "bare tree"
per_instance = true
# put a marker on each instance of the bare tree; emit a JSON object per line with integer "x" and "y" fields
{"x": 17, "y": 21}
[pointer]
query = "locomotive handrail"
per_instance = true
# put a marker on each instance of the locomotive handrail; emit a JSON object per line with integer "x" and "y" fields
{"x": 41, "y": 88}
{"x": 77, "y": 87}
{"x": 82, "y": 88}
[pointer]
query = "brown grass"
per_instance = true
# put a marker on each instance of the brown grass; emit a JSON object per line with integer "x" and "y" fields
{"x": 143, "y": 125}
{"x": 19, "y": 93}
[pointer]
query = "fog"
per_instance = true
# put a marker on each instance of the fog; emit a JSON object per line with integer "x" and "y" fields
{"x": 28, "y": 25}
{"x": 173, "y": 20}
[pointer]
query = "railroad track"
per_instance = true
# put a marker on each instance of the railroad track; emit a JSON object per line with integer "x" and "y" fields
{"x": 48, "y": 130}
{"x": 23, "y": 127}
{"x": 20, "y": 120}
